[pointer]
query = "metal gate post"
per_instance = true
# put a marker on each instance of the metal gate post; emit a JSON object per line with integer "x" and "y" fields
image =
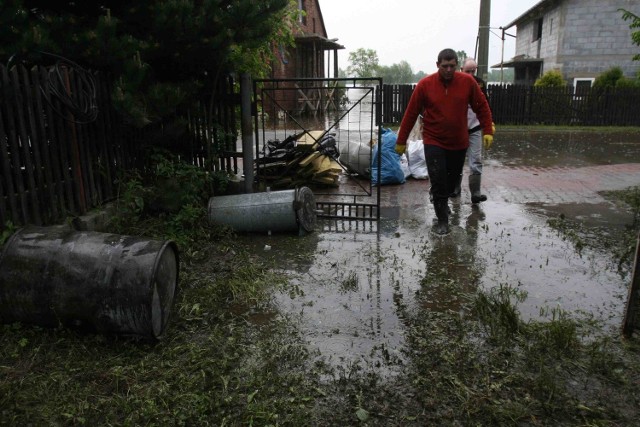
{"x": 247, "y": 141}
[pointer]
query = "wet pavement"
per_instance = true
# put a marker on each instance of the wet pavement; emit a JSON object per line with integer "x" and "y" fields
{"x": 352, "y": 284}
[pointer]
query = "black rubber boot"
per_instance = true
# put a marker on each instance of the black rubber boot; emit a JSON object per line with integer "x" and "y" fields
{"x": 474, "y": 187}
{"x": 458, "y": 190}
{"x": 442, "y": 213}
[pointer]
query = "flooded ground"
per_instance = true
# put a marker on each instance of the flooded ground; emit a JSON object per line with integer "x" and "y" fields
{"x": 378, "y": 323}
{"x": 351, "y": 284}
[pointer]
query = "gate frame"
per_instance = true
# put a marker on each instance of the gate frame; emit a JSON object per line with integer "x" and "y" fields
{"x": 333, "y": 205}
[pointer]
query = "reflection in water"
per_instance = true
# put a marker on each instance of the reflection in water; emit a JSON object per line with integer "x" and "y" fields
{"x": 354, "y": 286}
{"x": 347, "y": 310}
{"x": 566, "y": 149}
{"x": 453, "y": 266}
{"x": 353, "y": 291}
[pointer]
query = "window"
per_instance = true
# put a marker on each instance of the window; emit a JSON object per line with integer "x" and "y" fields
{"x": 302, "y": 7}
{"x": 582, "y": 85}
{"x": 537, "y": 30}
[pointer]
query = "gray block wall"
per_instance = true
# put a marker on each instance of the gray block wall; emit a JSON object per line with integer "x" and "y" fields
{"x": 583, "y": 38}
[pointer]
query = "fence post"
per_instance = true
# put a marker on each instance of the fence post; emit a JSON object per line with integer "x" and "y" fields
{"x": 633, "y": 301}
{"x": 247, "y": 129}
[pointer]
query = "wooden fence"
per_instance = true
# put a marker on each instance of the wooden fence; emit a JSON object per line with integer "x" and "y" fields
{"x": 63, "y": 146}
{"x": 395, "y": 99}
{"x": 530, "y": 105}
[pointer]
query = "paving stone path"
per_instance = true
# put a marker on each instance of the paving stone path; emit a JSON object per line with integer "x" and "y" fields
{"x": 530, "y": 184}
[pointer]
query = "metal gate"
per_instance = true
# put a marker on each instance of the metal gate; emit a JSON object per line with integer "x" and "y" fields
{"x": 321, "y": 133}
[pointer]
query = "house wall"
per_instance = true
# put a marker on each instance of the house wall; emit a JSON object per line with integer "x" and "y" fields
{"x": 596, "y": 38}
{"x": 552, "y": 25}
{"x": 297, "y": 61}
{"x": 582, "y": 38}
{"x": 314, "y": 24}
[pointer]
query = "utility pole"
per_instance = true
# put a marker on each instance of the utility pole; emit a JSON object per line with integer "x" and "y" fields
{"x": 483, "y": 36}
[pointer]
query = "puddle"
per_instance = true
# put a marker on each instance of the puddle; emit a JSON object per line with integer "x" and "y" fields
{"x": 349, "y": 288}
{"x": 351, "y": 283}
{"x": 564, "y": 149}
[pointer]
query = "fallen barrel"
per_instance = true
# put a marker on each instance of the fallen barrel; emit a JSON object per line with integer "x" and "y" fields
{"x": 276, "y": 211}
{"x": 108, "y": 283}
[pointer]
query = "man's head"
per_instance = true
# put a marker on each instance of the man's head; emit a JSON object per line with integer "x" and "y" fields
{"x": 470, "y": 66}
{"x": 447, "y": 63}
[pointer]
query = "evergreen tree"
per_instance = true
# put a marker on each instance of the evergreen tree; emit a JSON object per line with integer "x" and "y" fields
{"x": 160, "y": 53}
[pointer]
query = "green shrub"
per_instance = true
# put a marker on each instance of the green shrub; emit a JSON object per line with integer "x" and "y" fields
{"x": 628, "y": 83}
{"x": 552, "y": 78}
{"x": 609, "y": 78}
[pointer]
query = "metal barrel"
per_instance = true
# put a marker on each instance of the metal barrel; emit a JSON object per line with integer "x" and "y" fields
{"x": 102, "y": 282}
{"x": 276, "y": 211}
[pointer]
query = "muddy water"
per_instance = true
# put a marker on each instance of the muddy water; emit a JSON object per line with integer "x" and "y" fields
{"x": 350, "y": 283}
{"x": 349, "y": 288}
{"x": 564, "y": 148}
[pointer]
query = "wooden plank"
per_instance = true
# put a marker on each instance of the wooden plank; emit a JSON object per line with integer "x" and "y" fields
{"x": 309, "y": 138}
{"x": 15, "y": 162}
{"x": 327, "y": 180}
{"x": 47, "y": 161}
{"x": 36, "y": 141}
{"x": 308, "y": 159}
{"x": 61, "y": 137}
{"x": 86, "y": 145}
{"x": 4, "y": 161}
{"x": 107, "y": 135}
{"x": 57, "y": 165}
{"x": 27, "y": 146}
{"x": 95, "y": 160}
{"x": 76, "y": 162}
{"x": 632, "y": 313}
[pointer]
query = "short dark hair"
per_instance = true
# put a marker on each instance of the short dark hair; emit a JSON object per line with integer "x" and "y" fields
{"x": 447, "y": 55}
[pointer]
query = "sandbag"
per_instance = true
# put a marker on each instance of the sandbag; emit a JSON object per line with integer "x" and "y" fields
{"x": 416, "y": 159}
{"x": 390, "y": 169}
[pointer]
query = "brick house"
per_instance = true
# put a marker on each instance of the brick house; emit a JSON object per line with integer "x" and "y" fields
{"x": 580, "y": 38}
{"x": 313, "y": 56}
{"x": 313, "y": 49}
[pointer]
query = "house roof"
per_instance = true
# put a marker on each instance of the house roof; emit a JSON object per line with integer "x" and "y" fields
{"x": 322, "y": 42}
{"x": 324, "y": 29}
{"x": 534, "y": 12}
{"x": 319, "y": 37}
{"x": 517, "y": 62}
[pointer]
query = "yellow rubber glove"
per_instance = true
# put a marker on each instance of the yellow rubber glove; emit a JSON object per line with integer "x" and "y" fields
{"x": 400, "y": 149}
{"x": 487, "y": 140}
{"x": 493, "y": 128}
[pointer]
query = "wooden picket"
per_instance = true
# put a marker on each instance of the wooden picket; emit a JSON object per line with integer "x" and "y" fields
{"x": 531, "y": 105}
{"x": 57, "y": 161}
{"x": 631, "y": 322}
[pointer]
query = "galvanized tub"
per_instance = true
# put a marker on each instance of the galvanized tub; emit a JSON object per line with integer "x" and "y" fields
{"x": 275, "y": 211}
{"x": 102, "y": 282}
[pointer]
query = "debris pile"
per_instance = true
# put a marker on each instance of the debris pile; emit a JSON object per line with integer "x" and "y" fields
{"x": 307, "y": 158}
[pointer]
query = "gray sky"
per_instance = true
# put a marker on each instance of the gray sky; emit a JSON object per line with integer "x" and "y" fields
{"x": 416, "y": 30}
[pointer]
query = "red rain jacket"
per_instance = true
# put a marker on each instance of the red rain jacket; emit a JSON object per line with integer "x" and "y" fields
{"x": 444, "y": 110}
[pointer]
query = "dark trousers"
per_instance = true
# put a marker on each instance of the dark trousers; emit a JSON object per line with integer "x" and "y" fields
{"x": 445, "y": 168}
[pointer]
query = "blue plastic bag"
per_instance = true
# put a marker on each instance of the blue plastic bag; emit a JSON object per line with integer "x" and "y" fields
{"x": 390, "y": 169}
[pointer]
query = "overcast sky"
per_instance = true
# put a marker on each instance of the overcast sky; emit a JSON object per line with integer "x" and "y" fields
{"x": 416, "y": 30}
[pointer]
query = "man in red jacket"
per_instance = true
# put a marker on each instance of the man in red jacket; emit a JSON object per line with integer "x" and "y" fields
{"x": 443, "y": 98}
